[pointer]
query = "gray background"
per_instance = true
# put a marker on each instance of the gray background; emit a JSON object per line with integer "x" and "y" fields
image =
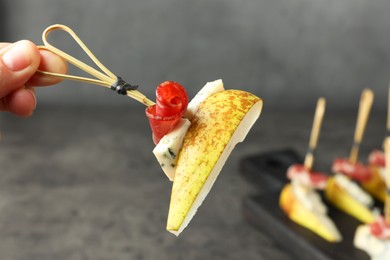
{"x": 78, "y": 180}
{"x": 289, "y": 52}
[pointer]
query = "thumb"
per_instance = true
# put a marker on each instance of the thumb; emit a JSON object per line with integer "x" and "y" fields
{"x": 18, "y": 63}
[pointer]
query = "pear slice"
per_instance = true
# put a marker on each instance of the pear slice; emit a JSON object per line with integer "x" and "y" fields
{"x": 343, "y": 200}
{"x": 311, "y": 215}
{"x": 222, "y": 121}
{"x": 375, "y": 185}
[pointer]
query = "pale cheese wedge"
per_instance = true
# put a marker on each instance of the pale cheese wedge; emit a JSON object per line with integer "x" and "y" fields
{"x": 208, "y": 89}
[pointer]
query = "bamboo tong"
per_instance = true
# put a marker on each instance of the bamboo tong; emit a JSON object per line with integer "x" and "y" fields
{"x": 104, "y": 77}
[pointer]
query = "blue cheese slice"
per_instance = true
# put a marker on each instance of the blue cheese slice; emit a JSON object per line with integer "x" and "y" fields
{"x": 308, "y": 197}
{"x": 168, "y": 148}
{"x": 378, "y": 249}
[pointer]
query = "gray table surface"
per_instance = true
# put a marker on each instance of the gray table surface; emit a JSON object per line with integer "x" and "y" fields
{"x": 82, "y": 183}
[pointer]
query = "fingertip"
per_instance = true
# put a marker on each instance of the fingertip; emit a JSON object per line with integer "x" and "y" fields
{"x": 20, "y": 56}
{"x": 18, "y": 63}
{"x": 21, "y": 102}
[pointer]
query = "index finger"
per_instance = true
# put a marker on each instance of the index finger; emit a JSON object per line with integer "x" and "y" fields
{"x": 52, "y": 63}
{"x": 4, "y": 44}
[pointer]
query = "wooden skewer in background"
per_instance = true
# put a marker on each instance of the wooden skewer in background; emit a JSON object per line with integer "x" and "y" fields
{"x": 388, "y": 119}
{"x": 103, "y": 78}
{"x": 386, "y": 146}
{"x": 366, "y": 100}
{"x": 315, "y": 132}
{"x": 388, "y": 111}
{"x": 387, "y": 180}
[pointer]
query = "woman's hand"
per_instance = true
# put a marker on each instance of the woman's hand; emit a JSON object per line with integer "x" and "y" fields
{"x": 18, "y": 64}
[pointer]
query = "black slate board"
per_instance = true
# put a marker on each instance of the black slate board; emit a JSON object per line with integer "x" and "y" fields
{"x": 264, "y": 213}
{"x": 267, "y": 171}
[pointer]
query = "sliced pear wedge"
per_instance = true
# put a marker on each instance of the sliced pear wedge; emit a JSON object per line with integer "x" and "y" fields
{"x": 343, "y": 200}
{"x": 314, "y": 217}
{"x": 222, "y": 121}
{"x": 375, "y": 185}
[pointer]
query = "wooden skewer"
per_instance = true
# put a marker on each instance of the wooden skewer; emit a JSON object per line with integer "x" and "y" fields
{"x": 388, "y": 109}
{"x": 386, "y": 146}
{"x": 315, "y": 132}
{"x": 103, "y": 78}
{"x": 387, "y": 180}
{"x": 366, "y": 100}
{"x": 388, "y": 117}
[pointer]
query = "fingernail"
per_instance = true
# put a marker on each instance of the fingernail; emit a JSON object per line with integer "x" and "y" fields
{"x": 31, "y": 90}
{"x": 18, "y": 57}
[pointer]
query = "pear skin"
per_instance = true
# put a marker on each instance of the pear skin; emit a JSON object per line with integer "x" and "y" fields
{"x": 375, "y": 185}
{"x": 305, "y": 217}
{"x": 345, "y": 202}
{"x": 222, "y": 120}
